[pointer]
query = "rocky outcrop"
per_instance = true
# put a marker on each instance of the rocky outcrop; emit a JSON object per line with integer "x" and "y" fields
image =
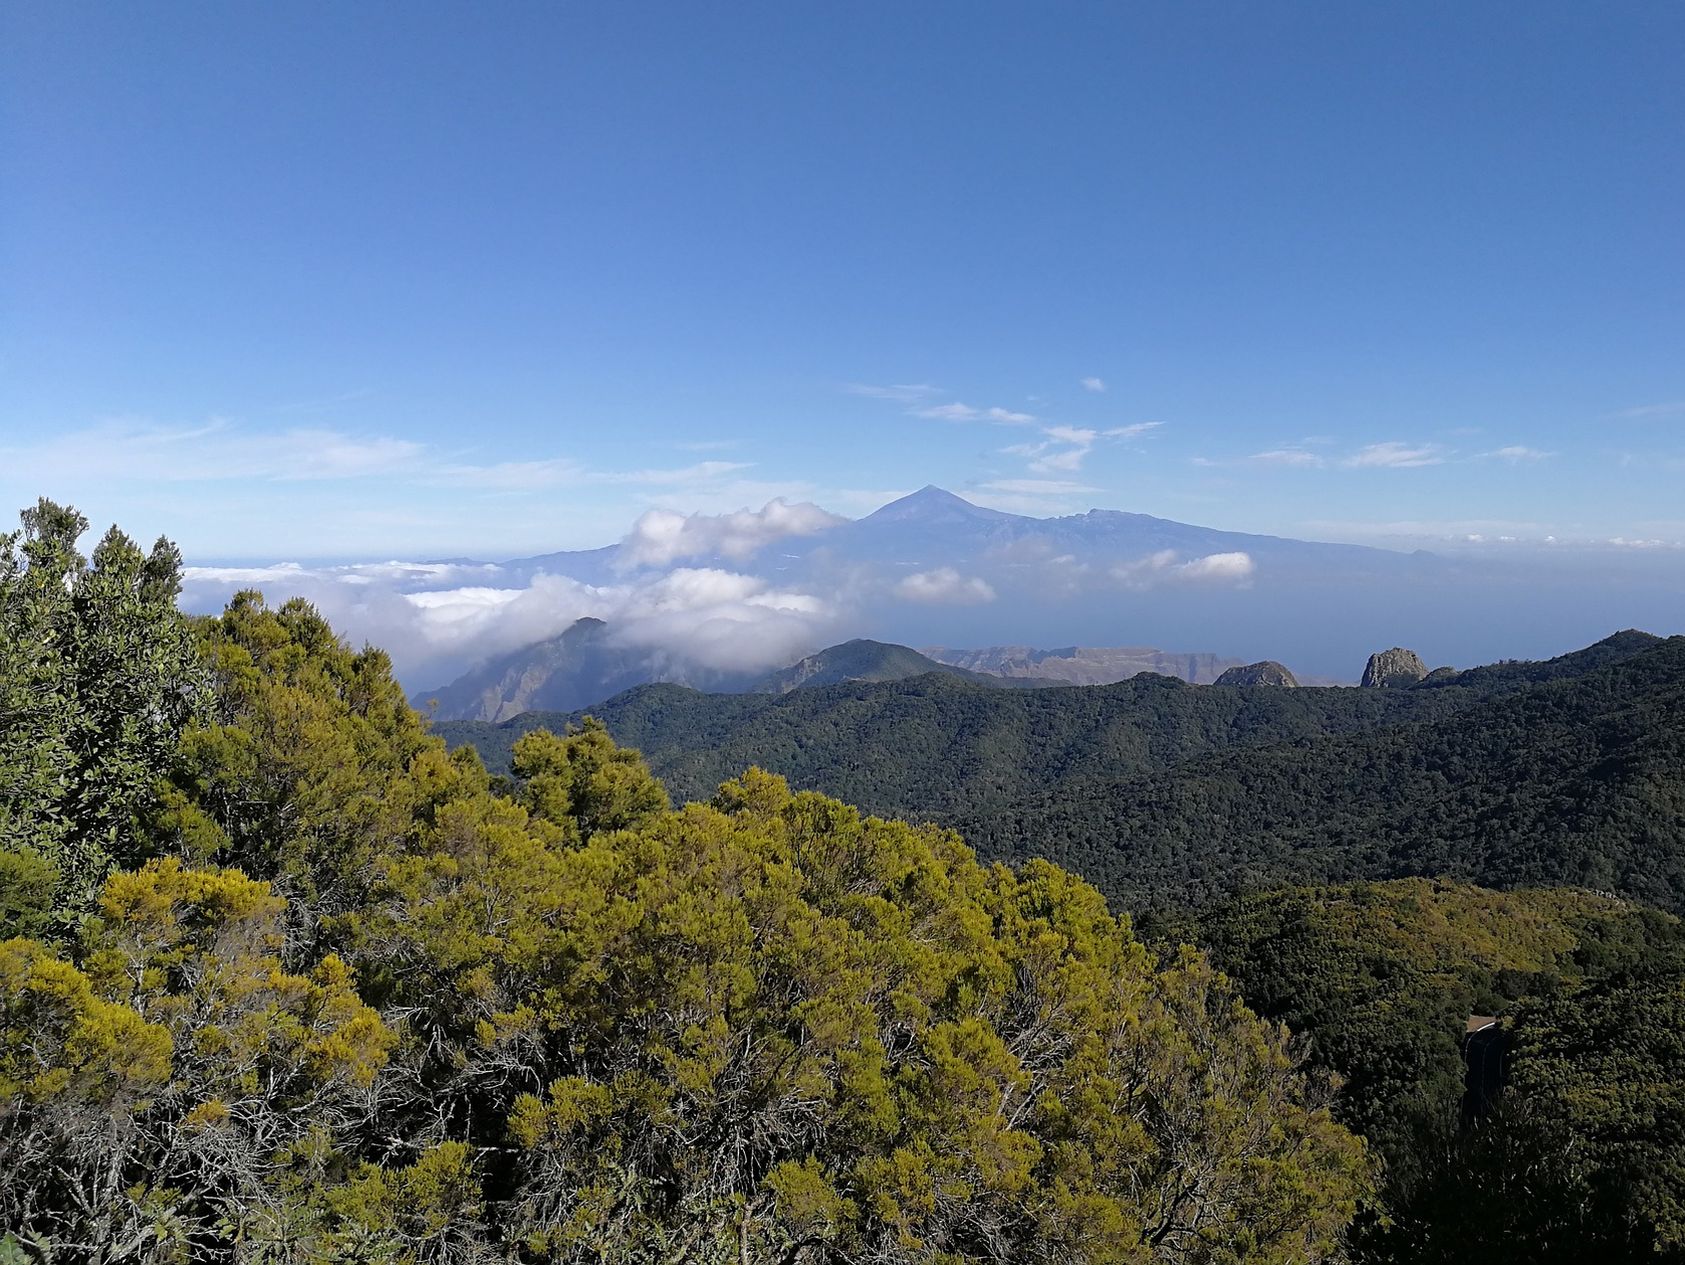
{"x": 1441, "y": 674}
{"x": 1269, "y": 672}
{"x": 1393, "y": 669}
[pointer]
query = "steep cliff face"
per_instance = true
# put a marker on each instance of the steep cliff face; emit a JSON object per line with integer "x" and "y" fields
{"x": 1391, "y": 669}
{"x": 1269, "y": 672}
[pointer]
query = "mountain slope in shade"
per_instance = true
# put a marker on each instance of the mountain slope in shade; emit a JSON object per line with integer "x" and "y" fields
{"x": 575, "y": 669}
{"x": 583, "y": 666}
{"x": 862, "y": 660}
{"x": 1085, "y": 665}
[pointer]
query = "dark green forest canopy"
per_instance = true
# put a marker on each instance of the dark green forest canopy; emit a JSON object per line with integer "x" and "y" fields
{"x": 1566, "y": 771}
{"x": 1579, "y": 1157}
{"x": 945, "y": 744}
{"x": 1381, "y": 977}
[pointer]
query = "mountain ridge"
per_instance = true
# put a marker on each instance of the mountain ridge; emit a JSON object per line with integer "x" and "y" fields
{"x": 1085, "y": 665}
{"x": 1553, "y": 771}
{"x": 865, "y": 660}
{"x": 584, "y": 665}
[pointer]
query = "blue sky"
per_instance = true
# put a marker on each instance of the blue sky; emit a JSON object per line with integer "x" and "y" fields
{"x": 330, "y": 280}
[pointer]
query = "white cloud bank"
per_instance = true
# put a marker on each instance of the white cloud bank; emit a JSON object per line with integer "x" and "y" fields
{"x": 705, "y": 617}
{"x": 661, "y": 537}
{"x": 437, "y": 619}
{"x": 125, "y": 451}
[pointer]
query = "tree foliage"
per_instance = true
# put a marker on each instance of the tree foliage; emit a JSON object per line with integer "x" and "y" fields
{"x": 1381, "y": 978}
{"x": 288, "y": 981}
{"x": 97, "y": 679}
{"x": 1584, "y": 1158}
{"x": 767, "y": 1027}
{"x": 153, "y": 1098}
{"x": 337, "y": 997}
{"x": 302, "y": 769}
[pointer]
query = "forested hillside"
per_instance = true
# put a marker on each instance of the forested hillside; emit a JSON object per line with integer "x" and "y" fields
{"x": 947, "y": 746}
{"x": 1566, "y": 771}
{"x": 862, "y": 660}
{"x": 1577, "y": 1158}
{"x": 283, "y": 980}
{"x": 1577, "y": 779}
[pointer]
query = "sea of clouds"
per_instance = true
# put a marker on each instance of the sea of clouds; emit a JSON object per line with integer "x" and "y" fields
{"x": 698, "y": 591}
{"x": 437, "y": 619}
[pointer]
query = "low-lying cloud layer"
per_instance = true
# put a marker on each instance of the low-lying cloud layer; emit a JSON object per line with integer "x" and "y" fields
{"x": 705, "y": 617}
{"x": 663, "y": 537}
{"x": 945, "y": 586}
{"x": 702, "y": 593}
{"x": 1168, "y": 567}
{"x": 437, "y": 619}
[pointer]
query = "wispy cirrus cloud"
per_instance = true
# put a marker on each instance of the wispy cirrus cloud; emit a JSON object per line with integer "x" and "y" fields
{"x": 1062, "y": 448}
{"x": 959, "y": 412}
{"x": 1519, "y": 454}
{"x": 1299, "y": 457}
{"x": 1394, "y": 455}
{"x": 563, "y": 472}
{"x": 1386, "y": 455}
{"x": 1282, "y": 458}
{"x": 1065, "y": 448}
{"x": 125, "y": 449}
